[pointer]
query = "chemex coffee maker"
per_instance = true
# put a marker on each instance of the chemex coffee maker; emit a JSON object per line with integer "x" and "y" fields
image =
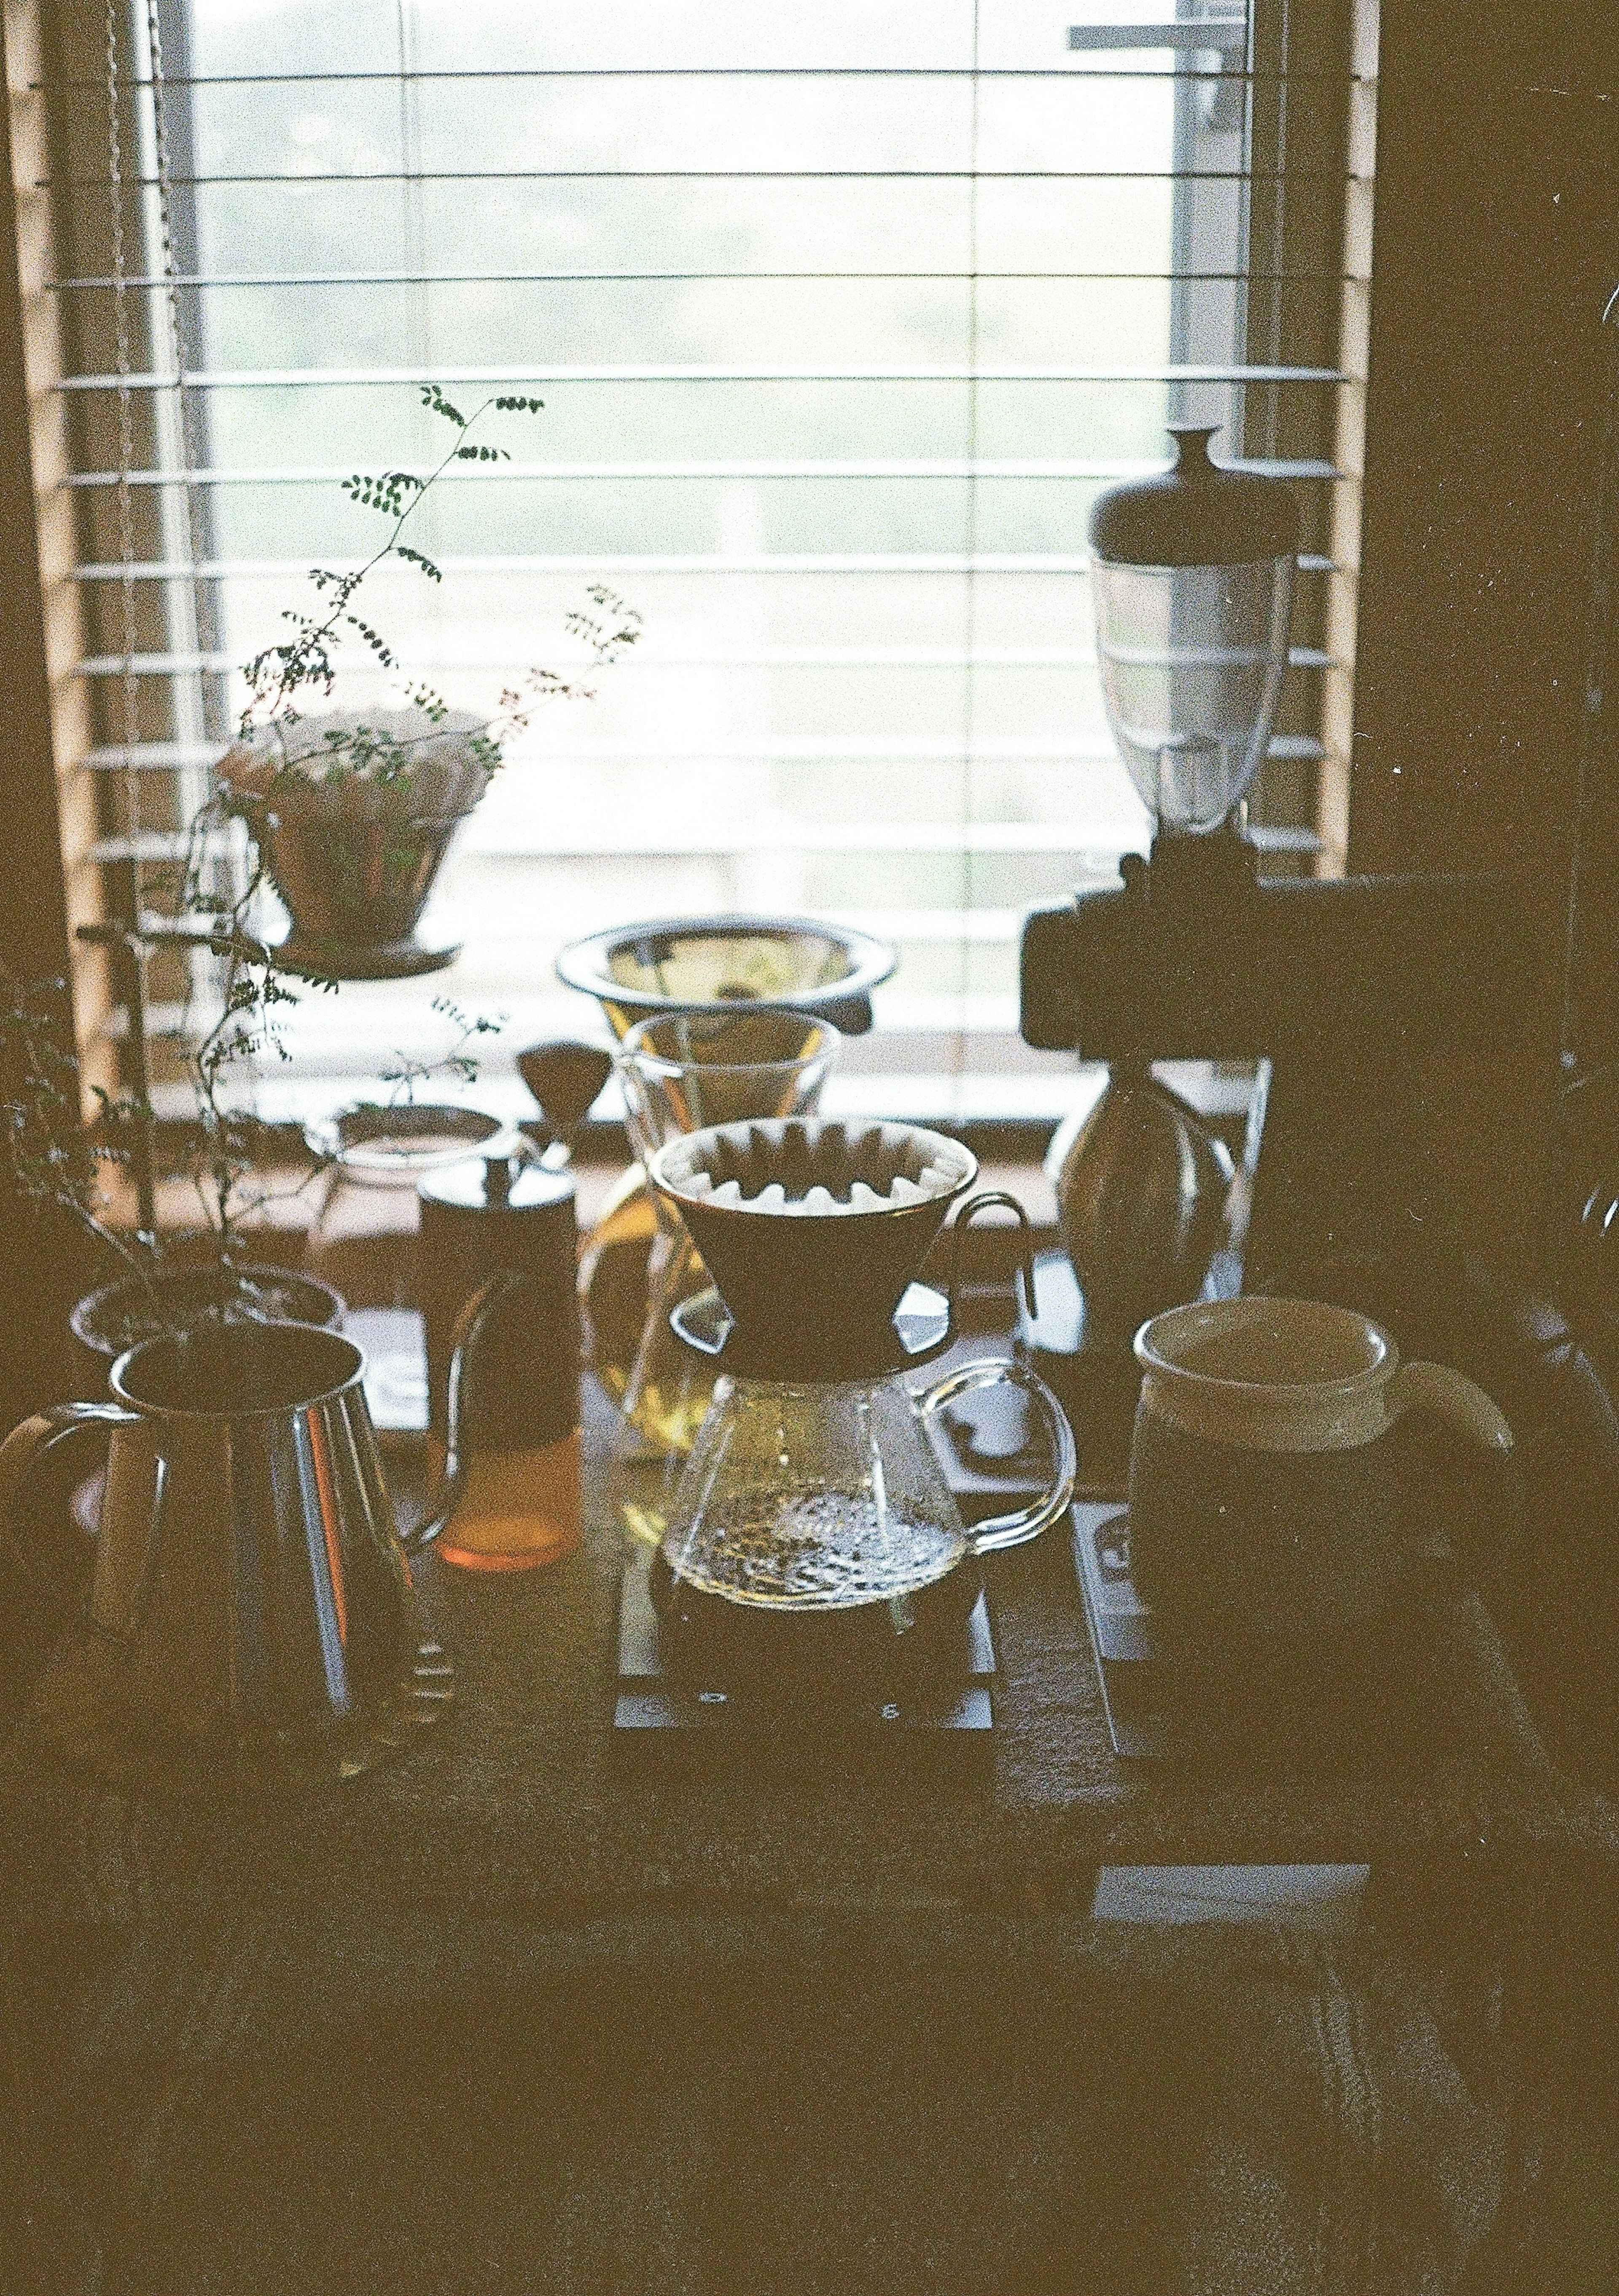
{"x": 1361, "y": 994}
{"x": 688, "y": 997}
{"x": 815, "y": 1568}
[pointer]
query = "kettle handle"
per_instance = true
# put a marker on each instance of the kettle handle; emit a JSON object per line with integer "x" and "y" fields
{"x": 1000, "y": 1530}
{"x": 463, "y": 1339}
{"x": 21, "y": 1453}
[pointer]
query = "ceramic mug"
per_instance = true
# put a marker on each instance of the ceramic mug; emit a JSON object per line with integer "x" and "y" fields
{"x": 1263, "y": 1487}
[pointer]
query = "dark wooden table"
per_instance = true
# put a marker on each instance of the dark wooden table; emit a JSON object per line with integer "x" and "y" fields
{"x": 162, "y": 1954}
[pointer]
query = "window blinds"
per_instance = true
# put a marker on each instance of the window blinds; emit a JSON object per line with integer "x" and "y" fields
{"x": 842, "y": 318}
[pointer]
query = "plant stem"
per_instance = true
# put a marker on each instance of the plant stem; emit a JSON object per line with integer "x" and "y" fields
{"x": 294, "y": 672}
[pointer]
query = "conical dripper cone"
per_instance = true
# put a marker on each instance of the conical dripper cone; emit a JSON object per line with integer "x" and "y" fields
{"x": 812, "y": 1231}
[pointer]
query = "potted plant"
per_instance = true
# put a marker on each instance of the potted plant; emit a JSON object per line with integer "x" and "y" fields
{"x": 54, "y": 1157}
{"x": 233, "y": 1160}
{"x": 349, "y": 816}
{"x": 353, "y": 810}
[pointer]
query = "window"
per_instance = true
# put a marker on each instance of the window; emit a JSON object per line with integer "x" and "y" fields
{"x": 842, "y": 318}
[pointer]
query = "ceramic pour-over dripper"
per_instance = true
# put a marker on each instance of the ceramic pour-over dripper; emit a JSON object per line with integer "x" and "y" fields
{"x": 813, "y": 1231}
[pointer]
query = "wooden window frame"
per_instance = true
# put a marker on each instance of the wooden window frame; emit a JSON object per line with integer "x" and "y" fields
{"x": 1474, "y": 443}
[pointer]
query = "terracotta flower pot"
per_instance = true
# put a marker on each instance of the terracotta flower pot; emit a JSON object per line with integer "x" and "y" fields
{"x": 352, "y": 841}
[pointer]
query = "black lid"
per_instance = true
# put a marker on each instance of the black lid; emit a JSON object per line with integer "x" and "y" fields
{"x": 1195, "y": 513}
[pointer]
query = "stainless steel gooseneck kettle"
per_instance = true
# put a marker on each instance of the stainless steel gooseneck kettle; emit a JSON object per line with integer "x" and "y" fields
{"x": 250, "y": 1609}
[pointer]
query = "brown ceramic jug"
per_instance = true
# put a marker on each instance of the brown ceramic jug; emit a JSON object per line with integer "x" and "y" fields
{"x": 1264, "y": 1495}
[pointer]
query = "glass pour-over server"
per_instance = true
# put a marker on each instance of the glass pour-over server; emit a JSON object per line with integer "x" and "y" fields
{"x": 680, "y": 1072}
{"x": 813, "y": 1492}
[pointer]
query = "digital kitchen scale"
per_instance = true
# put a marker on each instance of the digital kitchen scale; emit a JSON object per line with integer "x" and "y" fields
{"x": 665, "y": 1710}
{"x": 1269, "y": 1689}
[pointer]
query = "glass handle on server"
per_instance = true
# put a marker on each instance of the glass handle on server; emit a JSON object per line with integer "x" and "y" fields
{"x": 1026, "y": 1523}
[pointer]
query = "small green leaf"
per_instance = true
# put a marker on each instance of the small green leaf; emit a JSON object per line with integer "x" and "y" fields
{"x": 434, "y": 400}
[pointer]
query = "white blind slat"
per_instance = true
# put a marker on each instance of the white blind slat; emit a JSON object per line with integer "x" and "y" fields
{"x": 842, "y": 319}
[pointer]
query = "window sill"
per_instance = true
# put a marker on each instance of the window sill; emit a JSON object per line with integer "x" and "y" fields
{"x": 365, "y": 1253}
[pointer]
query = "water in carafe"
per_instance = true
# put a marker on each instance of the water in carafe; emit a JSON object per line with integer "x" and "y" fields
{"x": 813, "y": 1498}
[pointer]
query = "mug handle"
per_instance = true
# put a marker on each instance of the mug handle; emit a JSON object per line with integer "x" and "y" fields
{"x": 1452, "y": 1399}
{"x": 22, "y": 1451}
{"x": 1002, "y": 1531}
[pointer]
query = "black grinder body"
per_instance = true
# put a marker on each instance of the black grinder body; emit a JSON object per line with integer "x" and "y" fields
{"x": 1370, "y": 997}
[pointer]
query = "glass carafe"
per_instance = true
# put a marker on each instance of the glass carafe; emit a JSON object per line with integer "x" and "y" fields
{"x": 373, "y": 1155}
{"x": 824, "y": 1508}
{"x": 680, "y": 1072}
{"x": 812, "y": 1523}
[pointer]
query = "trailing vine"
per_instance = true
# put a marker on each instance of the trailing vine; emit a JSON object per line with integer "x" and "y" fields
{"x": 281, "y": 676}
{"x": 51, "y": 1158}
{"x": 50, "y": 1154}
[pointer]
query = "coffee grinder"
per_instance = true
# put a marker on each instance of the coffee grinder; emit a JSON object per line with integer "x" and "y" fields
{"x": 1360, "y": 993}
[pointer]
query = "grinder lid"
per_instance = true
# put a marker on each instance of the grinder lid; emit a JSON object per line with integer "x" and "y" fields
{"x": 1199, "y": 512}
